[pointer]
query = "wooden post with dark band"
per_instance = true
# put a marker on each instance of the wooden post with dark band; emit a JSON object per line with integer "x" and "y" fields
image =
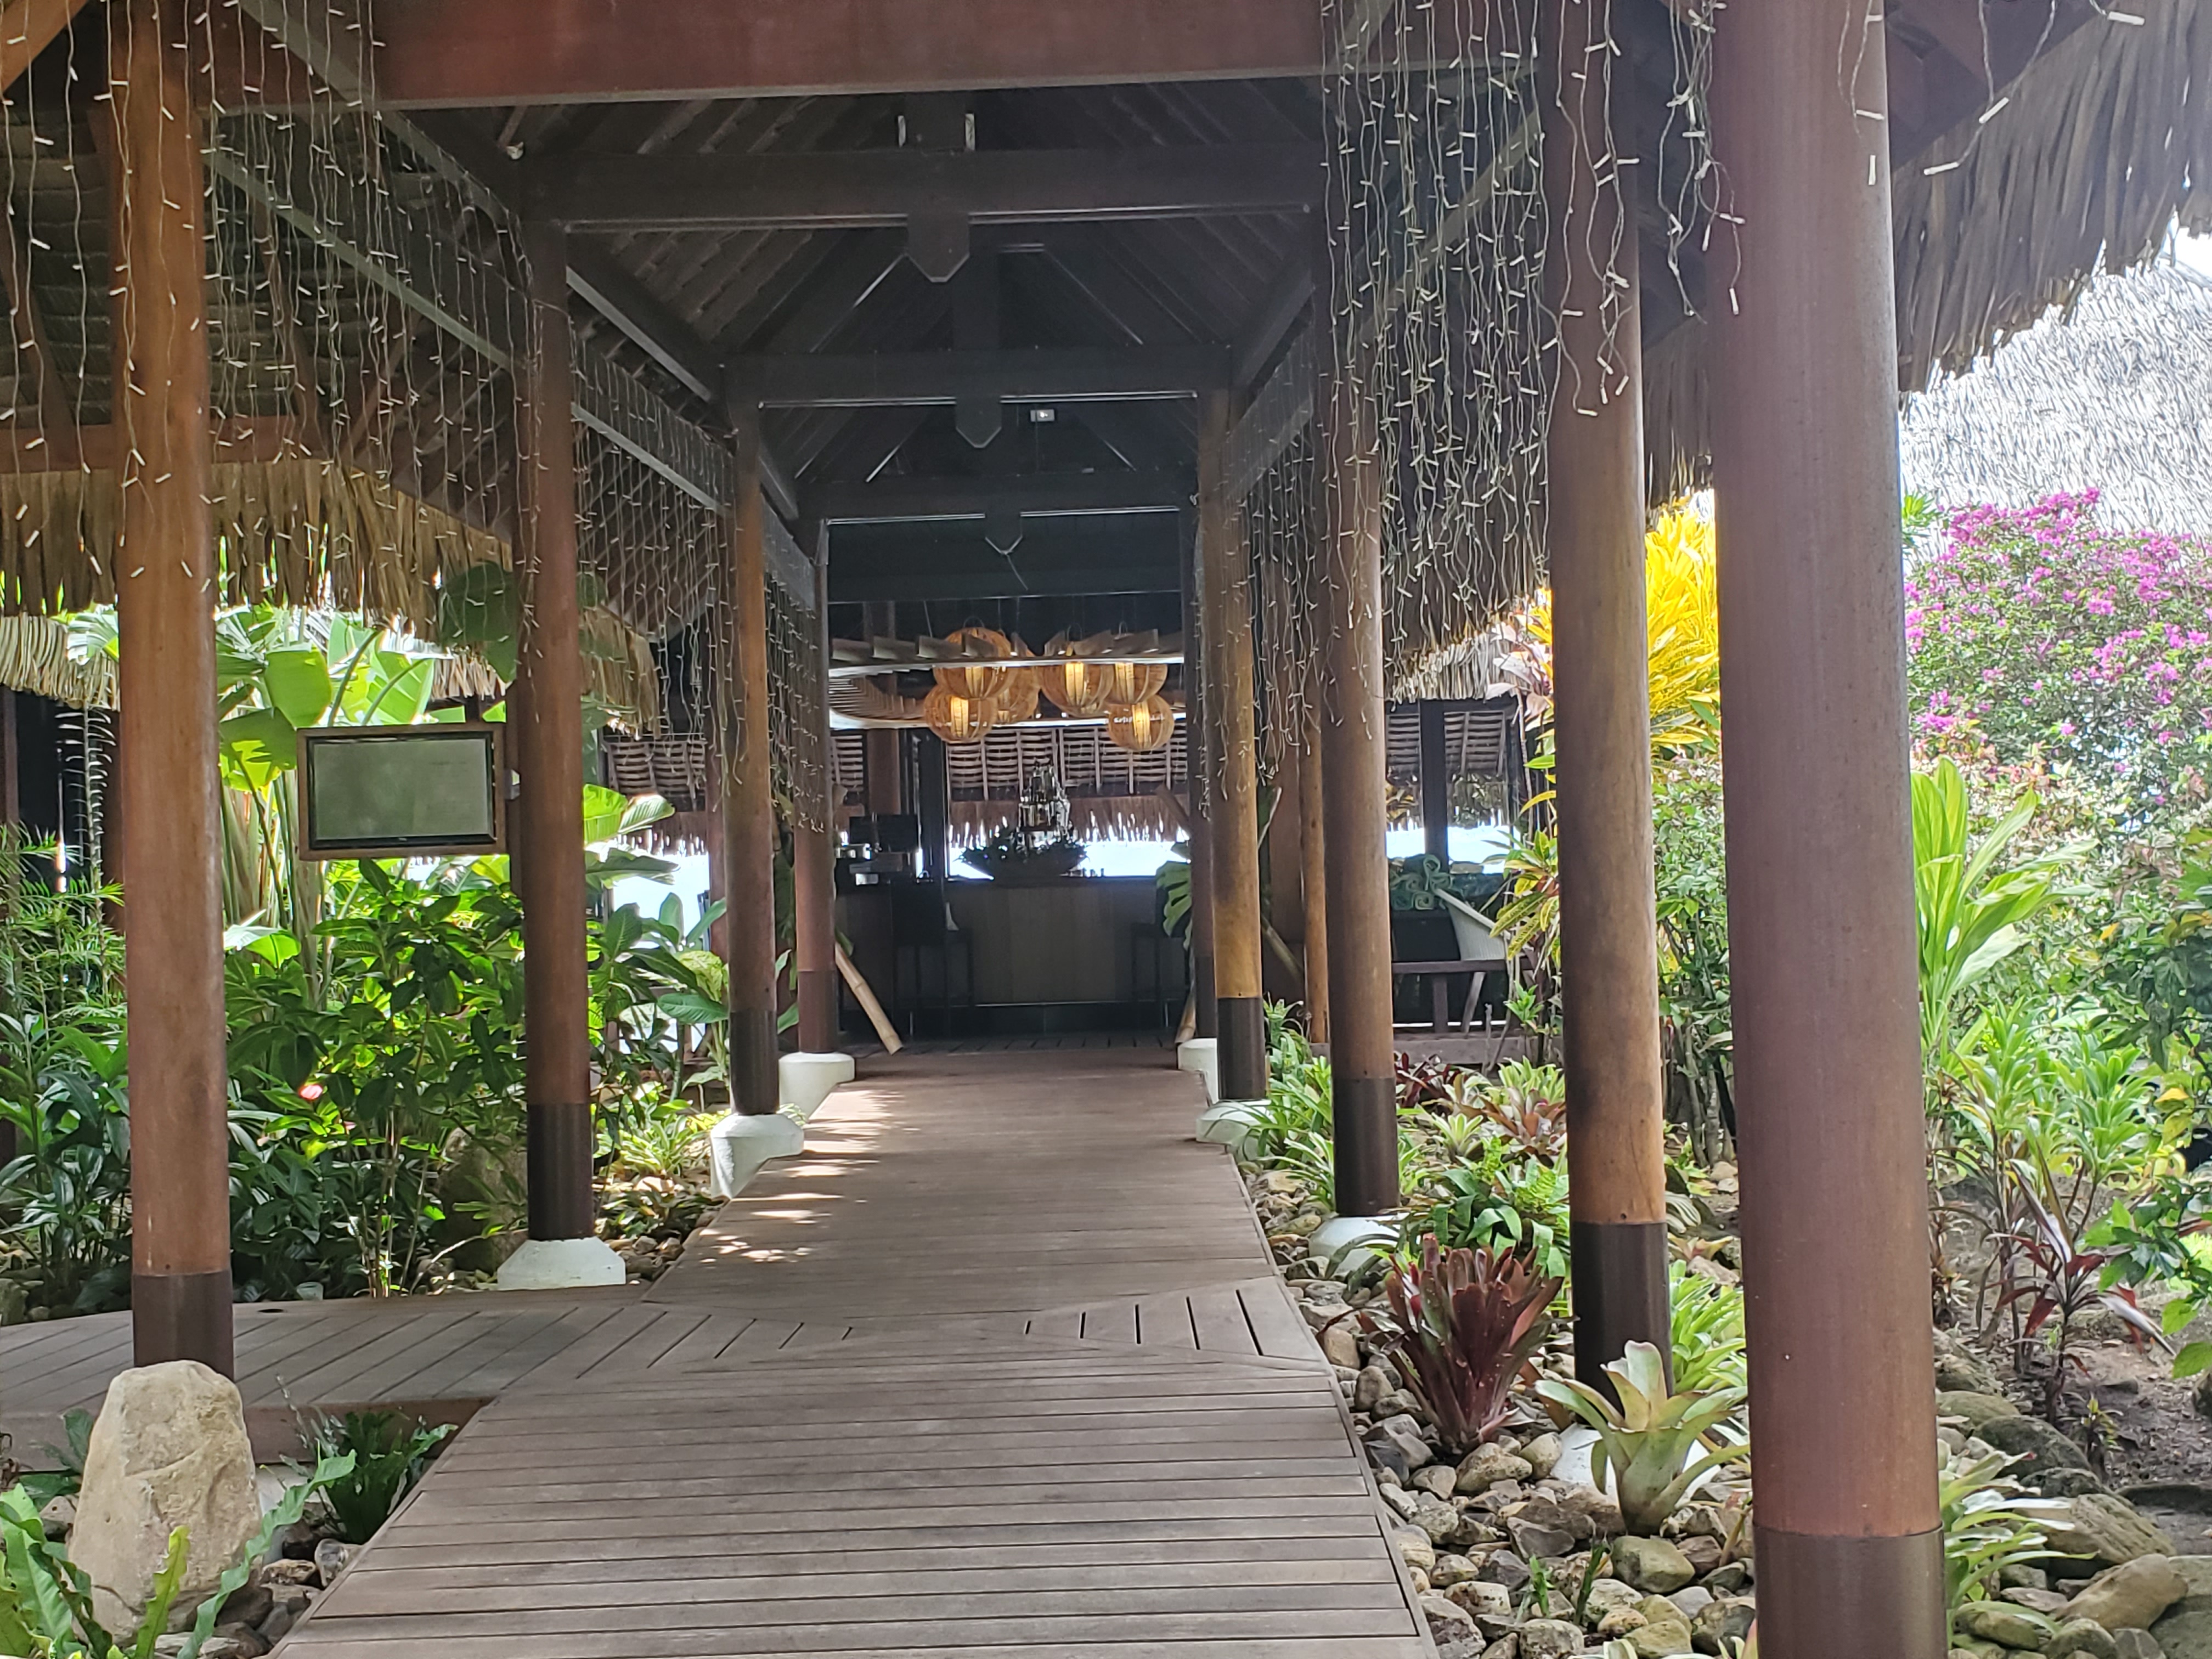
{"x": 1831, "y": 1133}
{"x": 1197, "y": 750}
{"x": 1608, "y": 929}
{"x": 749, "y": 806}
{"x": 545, "y": 711}
{"x": 166, "y": 595}
{"x": 1225, "y": 600}
{"x": 1313, "y": 855}
{"x": 1362, "y": 1058}
{"x": 814, "y": 860}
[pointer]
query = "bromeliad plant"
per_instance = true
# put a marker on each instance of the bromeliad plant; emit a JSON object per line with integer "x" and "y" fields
{"x": 1654, "y": 1445}
{"x": 1467, "y": 1322}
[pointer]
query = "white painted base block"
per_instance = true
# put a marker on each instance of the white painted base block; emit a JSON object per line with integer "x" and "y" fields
{"x": 1229, "y": 1123}
{"x": 1202, "y": 1055}
{"x": 741, "y": 1145}
{"x": 1363, "y": 1235}
{"x": 561, "y": 1264}
{"x": 807, "y": 1079}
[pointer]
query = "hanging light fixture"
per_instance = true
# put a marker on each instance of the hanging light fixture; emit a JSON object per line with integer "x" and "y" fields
{"x": 959, "y": 719}
{"x": 1141, "y": 727}
{"x": 1133, "y": 682}
{"x": 1018, "y": 697}
{"x": 1076, "y": 686}
{"x": 976, "y": 680}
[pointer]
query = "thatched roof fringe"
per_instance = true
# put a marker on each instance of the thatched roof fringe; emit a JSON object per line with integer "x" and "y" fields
{"x": 2101, "y": 145}
{"x": 300, "y": 531}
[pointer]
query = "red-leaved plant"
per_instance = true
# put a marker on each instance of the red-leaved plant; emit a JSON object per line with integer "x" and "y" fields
{"x": 1467, "y": 1322}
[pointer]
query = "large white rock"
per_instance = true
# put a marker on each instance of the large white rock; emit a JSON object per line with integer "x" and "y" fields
{"x": 561, "y": 1264}
{"x": 806, "y": 1080}
{"x": 1202, "y": 1055}
{"x": 1232, "y": 1123}
{"x": 742, "y": 1143}
{"x": 169, "y": 1450}
{"x": 1363, "y": 1236}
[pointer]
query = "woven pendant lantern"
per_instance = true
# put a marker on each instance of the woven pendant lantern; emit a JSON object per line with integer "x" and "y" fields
{"x": 1133, "y": 682}
{"x": 1018, "y": 697}
{"x": 975, "y": 680}
{"x": 957, "y": 718}
{"x": 1075, "y": 687}
{"x": 1141, "y": 727}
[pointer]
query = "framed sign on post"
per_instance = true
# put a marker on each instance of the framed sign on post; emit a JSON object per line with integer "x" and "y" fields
{"x": 398, "y": 792}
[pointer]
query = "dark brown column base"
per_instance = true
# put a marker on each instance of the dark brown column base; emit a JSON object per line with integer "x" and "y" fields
{"x": 817, "y": 1010}
{"x": 1209, "y": 1014}
{"x": 755, "y": 1084}
{"x": 1244, "y": 1052}
{"x": 1365, "y": 1114}
{"x": 182, "y": 1316}
{"x": 1619, "y": 1290}
{"x": 1823, "y": 1597}
{"x": 559, "y": 1163}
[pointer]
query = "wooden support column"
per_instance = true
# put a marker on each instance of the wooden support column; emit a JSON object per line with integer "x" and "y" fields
{"x": 1436, "y": 782}
{"x": 1819, "y": 844}
{"x": 1232, "y": 747}
{"x": 1313, "y": 856}
{"x": 1363, "y": 1061}
{"x": 814, "y": 860}
{"x": 166, "y": 576}
{"x": 1608, "y": 929}
{"x": 1197, "y": 746}
{"x": 749, "y": 802}
{"x": 546, "y": 724}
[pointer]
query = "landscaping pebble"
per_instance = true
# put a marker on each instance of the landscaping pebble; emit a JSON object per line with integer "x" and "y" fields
{"x": 2101, "y": 1527}
{"x": 2137, "y": 1644}
{"x": 1485, "y": 1465}
{"x": 1976, "y": 1408}
{"x": 2132, "y": 1595}
{"x": 2001, "y": 1622}
{"x": 1543, "y": 1455}
{"x": 1726, "y": 1620}
{"x": 1414, "y": 1548}
{"x": 2081, "y": 1636}
{"x": 1665, "y": 1630}
{"x": 1650, "y": 1564}
{"x": 331, "y": 1558}
{"x": 1549, "y": 1638}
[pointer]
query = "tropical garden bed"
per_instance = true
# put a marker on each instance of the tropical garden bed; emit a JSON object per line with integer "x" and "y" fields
{"x": 2064, "y": 897}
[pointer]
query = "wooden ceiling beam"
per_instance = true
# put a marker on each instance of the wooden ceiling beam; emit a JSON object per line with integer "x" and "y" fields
{"x": 463, "y": 52}
{"x": 1038, "y": 495}
{"x": 867, "y": 379}
{"x": 1140, "y": 553}
{"x": 821, "y": 191}
{"x": 28, "y": 27}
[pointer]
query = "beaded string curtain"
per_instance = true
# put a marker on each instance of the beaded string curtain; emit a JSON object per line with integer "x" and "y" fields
{"x": 1435, "y": 228}
{"x": 365, "y": 309}
{"x": 1435, "y": 223}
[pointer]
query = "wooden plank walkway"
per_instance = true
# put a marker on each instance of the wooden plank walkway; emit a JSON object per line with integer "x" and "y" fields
{"x": 997, "y": 1365}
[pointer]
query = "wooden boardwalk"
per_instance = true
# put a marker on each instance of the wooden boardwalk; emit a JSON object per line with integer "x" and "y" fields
{"x": 998, "y": 1364}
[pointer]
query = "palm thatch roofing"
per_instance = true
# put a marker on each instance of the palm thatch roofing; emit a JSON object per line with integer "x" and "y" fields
{"x": 2084, "y": 167}
{"x": 2114, "y": 395}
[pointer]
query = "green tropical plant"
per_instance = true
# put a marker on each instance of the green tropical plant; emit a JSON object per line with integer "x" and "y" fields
{"x": 1705, "y": 1329}
{"x": 1493, "y": 1204}
{"x": 384, "y": 1456}
{"x": 1466, "y": 1321}
{"x": 1989, "y": 1524}
{"x": 46, "y": 1599}
{"x": 1652, "y": 1446}
{"x": 1969, "y": 907}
